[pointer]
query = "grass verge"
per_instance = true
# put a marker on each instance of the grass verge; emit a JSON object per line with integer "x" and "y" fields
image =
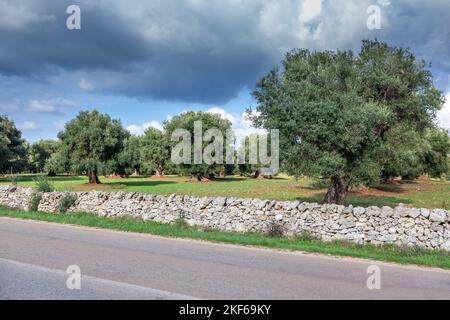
{"x": 305, "y": 243}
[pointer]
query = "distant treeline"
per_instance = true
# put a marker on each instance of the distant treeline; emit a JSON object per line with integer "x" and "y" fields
{"x": 93, "y": 144}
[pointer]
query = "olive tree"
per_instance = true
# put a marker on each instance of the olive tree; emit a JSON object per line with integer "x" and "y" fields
{"x": 156, "y": 151}
{"x": 93, "y": 141}
{"x": 12, "y": 147}
{"x": 336, "y": 111}
{"x": 186, "y": 121}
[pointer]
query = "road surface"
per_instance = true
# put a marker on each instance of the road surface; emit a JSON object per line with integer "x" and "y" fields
{"x": 34, "y": 257}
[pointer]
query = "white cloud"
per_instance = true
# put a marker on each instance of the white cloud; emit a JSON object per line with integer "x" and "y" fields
{"x": 222, "y": 113}
{"x": 245, "y": 128}
{"x": 139, "y": 129}
{"x": 310, "y": 9}
{"x": 384, "y": 3}
{"x": 86, "y": 85}
{"x": 50, "y": 106}
{"x": 18, "y": 15}
{"x": 27, "y": 126}
{"x": 135, "y": 129}
{"x": 241, "y": 125}
{"x": 444, "y": 114}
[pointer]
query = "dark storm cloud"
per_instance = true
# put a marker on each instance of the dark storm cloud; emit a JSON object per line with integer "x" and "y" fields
{"x": 113, "y": 50}
{"x": 424, "y": 27}
{"x": 197, "y": 50}
{"x": 37, "y": 47}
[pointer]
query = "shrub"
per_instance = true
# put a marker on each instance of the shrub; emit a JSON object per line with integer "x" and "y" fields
{"x": 43, "y": 184}
{"x": 275, "y": 230}
{"x": 34, "y": 202}
{"x": 307, "y": 236}
{"x": 181, "y": 223}
{"x": 66, "y": 202}
{"x": 410, "y": 251}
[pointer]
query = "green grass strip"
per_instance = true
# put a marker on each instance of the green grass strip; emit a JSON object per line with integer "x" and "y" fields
{"x": 305, "y": 243}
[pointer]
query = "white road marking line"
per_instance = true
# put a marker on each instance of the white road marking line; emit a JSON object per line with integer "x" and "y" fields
{"x": 156, "y": 292}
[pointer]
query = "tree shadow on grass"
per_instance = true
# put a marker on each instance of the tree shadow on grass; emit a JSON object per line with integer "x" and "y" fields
{"x": 31, "y": 177}
{"x": 394, "y": 188}
{"x": 313, "y": 187}
{"x": 234, "y": 179}
{"x": 67, "y": 178}
{"x": 238, "y": 179}
{"x": 142, "y": 183}
{"x": 360, "y": 201}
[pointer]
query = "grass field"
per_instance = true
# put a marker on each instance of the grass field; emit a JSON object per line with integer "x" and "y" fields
{"x": 305, "y": 243}
{"x": 420, "y": 193}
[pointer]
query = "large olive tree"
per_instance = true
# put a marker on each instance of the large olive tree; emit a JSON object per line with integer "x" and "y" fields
{"x": 156, "y": 151}
{"x": 93, "y": 142}
{"x": 186, "y": 121}
{"x": 338, "y": 113}
{"x": 40, "y": 152}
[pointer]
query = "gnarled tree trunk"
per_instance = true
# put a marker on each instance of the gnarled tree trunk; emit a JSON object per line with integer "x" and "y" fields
{"x": 93, "y": 178}
{"x": 198, "y": 177}
{"x": 159, "y": 171}
{"x": 387, "y": 179}
{"x": 336, "y": 192}
{"x": 258, "y": 175}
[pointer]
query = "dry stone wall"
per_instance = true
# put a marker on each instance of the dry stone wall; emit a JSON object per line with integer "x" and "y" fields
{"x": 429, "y": 228}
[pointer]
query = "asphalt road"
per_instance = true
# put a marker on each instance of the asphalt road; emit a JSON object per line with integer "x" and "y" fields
{"x": 34, "y": 257}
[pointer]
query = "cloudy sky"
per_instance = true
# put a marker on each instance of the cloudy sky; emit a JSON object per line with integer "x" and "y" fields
{"x": 144, "y": 61}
